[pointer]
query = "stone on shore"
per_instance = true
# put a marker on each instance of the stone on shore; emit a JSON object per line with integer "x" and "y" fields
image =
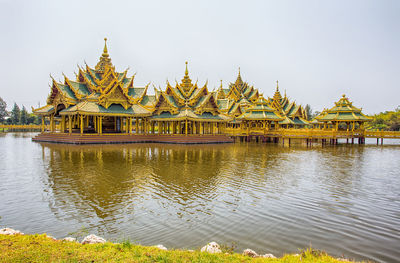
{"x": 268, "y": 256}
{"x": 93, "y": 239}
{"x": 10, "y": 231}
{"x": 211, "y": 247}
{"x": 69, "y": 239}
{"x": 51, "y": 237}
{"x": 250, "y": 253}
{"x": 161, "y": 247}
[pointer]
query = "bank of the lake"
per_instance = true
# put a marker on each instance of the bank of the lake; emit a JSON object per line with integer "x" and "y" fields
{"x": 41, "y": 248}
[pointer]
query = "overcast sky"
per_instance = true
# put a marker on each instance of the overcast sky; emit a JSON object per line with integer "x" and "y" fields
{"x": 318, "y": 50}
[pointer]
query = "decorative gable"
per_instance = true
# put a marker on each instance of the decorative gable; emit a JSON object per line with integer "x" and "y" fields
{"x": 163, "y": 105}
{"x": 115, "y": 96}
{"x": 59, "y": 99}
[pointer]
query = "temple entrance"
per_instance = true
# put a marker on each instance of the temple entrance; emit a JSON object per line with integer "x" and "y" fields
{"x": 111, "y": 124}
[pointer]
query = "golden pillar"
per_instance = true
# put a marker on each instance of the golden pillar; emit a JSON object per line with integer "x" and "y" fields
{"x": 51, "y": 122}
{"x": 100, "y": 125}
{"x": 81, "y": 124}
{"x": 62, "y": 123}
{"x": 69, "y": 124}
{"x": 43, "y": 123}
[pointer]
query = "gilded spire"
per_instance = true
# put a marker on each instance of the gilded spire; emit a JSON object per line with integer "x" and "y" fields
{"x": 239, "y": 80}
{"x": 105, "y": 60}
{"x": 276, "y": 100}
{"x": 186, "y": 81}
{"x": 105, "y": 51}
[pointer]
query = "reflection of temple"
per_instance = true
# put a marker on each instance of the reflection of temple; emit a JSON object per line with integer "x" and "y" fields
{"x": 100, "y": 181}
{"x": 103, "y": 101}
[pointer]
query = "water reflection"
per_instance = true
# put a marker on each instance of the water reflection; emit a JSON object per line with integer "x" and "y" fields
{"x": 107, "y": 178}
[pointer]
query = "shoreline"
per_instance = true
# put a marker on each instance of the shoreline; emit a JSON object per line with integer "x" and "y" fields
{"x": 16, "y": 246}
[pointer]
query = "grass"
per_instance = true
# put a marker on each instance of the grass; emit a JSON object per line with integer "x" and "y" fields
{"x": 40, "y": 248}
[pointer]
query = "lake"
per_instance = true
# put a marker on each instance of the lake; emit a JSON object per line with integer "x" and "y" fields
{"x": 343, "y": 199}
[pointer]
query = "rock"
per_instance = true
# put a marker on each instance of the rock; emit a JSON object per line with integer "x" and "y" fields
{"x": 10, "y": 231}
{"x": 161, "y": 247}
{"x": 250, "y": 253}
{"x": 268, "y": 256}
{"x": 211, "y": 247}
{"x": 69, "y": 239}
{"x": 93, "y": 239}
{"x": 51, "y": 237}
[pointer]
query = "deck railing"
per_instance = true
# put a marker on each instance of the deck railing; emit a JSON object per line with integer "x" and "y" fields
{"x": 26, "y": 127}
{"x": 312, "y": 133}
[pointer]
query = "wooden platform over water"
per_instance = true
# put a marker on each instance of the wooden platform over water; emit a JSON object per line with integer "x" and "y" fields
{"x": 133, "y": 138}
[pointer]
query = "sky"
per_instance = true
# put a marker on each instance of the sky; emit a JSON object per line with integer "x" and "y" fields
{"x": 318, "y": 50}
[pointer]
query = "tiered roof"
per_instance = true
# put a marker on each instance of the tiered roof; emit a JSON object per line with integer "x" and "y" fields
{"x": 343, "y": 111}
{"x": 239, "y": 96}
{"x": 186, "y": 101}
{"x": 292, "y": 113}
{"x": 100, "y": 91}
{"x": 238, "y": 90}
{"x": 261, "y": 111}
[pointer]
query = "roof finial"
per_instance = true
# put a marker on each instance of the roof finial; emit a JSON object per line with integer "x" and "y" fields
{"x": 239, "y": 71}
{"x": 277, "y": 85}
{"x": 105, "y": 51}
{"x": 186, "y": 71}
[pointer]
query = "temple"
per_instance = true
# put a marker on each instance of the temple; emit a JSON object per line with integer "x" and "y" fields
{"x": 101, "y": 101}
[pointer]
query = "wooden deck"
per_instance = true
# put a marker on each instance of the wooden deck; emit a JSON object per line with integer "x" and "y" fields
{"x": 133, "y": 138}
{"x": 314, "y": 133}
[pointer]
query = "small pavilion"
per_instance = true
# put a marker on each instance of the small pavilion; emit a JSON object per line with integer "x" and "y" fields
{"x": 343, "y": 116}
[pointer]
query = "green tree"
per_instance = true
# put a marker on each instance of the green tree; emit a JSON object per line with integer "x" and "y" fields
{"x": 15, "y": 114}
{"x": 24, "y": 116}
{"x": 388, "y": 120}
{"x": 3, "y": 110}
{"x": 32, "y": 118}
{"x": 309, "y": 112}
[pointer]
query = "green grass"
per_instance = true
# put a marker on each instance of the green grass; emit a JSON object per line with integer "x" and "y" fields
{"x": 40, "y": 248}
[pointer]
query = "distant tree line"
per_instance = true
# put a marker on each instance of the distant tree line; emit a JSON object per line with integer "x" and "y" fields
{"x": 386, "y": 121}
{"x": 16, "y": 115}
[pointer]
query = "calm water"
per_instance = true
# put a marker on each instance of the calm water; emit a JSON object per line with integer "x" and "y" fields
{"x": 273, "y": 199}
